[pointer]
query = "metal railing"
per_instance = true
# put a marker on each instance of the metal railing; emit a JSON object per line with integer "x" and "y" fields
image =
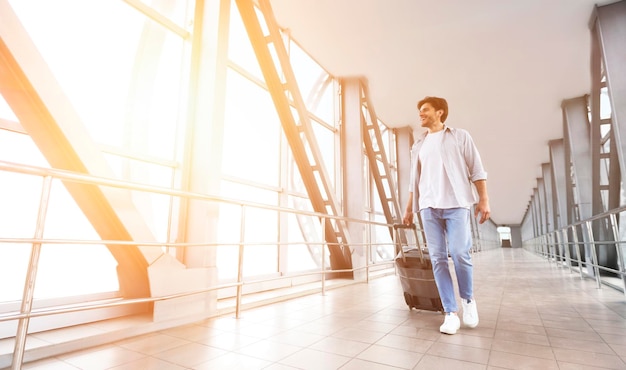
{"x": 576, "y": 248}
{"x": 26, "y": 311}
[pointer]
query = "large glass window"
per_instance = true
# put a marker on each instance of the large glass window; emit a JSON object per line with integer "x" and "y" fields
{"x": 60, "y": 263}
{"x": 124, "y": 75}
{"x": 254, "y": 157}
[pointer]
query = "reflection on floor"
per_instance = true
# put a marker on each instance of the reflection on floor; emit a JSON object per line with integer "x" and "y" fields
{"x": 533, "y": 315}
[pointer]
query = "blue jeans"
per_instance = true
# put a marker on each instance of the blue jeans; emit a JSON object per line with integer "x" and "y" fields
{"x": 452, "y": 225}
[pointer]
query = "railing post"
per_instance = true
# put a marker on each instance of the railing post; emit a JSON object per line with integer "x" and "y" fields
{"x": 324, "y": 243}
{"x": 618, "y": 249}
{"x": 538, "y": 245}
{"x": 575, "y": 237}
{"x": 31, "y": 277}
{"x": 242, "y": 233}
{"x": 594, "y": 257}
{"x": 368, "y": 252}
{"x": 566, "y": 251}
{"x": 556, "y": 248}
{"x": 546, "y": 244}
{"x": 556, "y": 245}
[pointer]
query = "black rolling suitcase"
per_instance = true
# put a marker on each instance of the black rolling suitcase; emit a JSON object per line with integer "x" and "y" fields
{"x": 416, "y": 273}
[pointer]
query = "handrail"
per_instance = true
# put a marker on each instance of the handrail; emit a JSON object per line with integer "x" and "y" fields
{"x": 95, "y": 180}
{"x": 555, "y": 246}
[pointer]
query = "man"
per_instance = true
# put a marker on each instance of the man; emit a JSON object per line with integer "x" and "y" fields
{"x": 444, "y": 164}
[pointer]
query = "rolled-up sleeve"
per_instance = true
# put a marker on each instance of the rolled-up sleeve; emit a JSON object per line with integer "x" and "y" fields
{"x": 463, "y": 165}
{"x": 473, "y": 160}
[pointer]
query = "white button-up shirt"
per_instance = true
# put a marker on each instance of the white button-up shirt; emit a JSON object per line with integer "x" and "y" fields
{"x": 461, "y": 162}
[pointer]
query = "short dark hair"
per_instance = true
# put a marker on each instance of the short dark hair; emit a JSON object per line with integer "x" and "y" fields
{"x": 437, "y": 103}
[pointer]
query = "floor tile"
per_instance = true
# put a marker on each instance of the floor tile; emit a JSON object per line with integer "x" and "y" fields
{"x": 268, "y": 350}
{"x": 358, "y": 364}
{"x": 309, "y": 359}
{"x": 359, "y": 335}
{"x": 405, "y": 343}
{"x": 517, "y": 336}
{"x": 104, "y": 358}
{"x": 589, "y": 358}
{"x": 459, "y": 352}
{"x": 152, "y": 343}
{"x": 148, "y": 363}
{"x": 296, "y": 337}
{"x": 189, "y": 355}
{"x": 581, "y": 345}
{"x": 506, "y": 360}
{"x": 429, "y": 362}
{"x": 229, "y": 341}
{"x": 525, "y": 349}
{"x": 340, "y": 346}
{"x": 391, "y": 356}
{"x": 233, "y": 361}
{"x": 49, "y": 364}
{"x": 468, "y": 340}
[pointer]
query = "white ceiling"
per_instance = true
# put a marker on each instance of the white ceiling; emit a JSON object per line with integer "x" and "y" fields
{"x": 503, "y": 65}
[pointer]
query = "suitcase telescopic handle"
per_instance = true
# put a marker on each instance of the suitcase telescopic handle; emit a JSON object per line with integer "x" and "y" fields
{"x": 411, "y": 226}
{"x": 404, "y": 226}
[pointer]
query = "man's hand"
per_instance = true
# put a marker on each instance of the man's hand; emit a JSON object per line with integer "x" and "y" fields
{"x": 408, "y": 212}
{"x": 483, "y": 208}
{"x": 408, "y": 217}
{"x": 483, "y": 203}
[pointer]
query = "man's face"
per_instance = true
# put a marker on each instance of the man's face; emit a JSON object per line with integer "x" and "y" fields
{"x": 429, "y": 116}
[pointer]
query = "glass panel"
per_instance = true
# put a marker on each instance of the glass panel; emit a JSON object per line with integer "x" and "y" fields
{"x": 261, "y": 227}
{"x": 383, "y": 249}
{"x": 14, "y": 259}
{"x": 311, "y": 77}
{"x": 326, "y": 143}
{"x": 605, "y": 104}
{"x": 251, "y": 132}
{"x": 154, "y": 207}
{"x": 180, "y": 12}
{"x": 240, "y": 49}
{"x": 300, "y": 254}
{"x": 20, "y": 148}
{"x": 136, "y": 61}
{"x": 326, "y": 106}
{"x": 71, "y": 270}
{"x": 59, "y": 264}
{"x": 5, "y": 111}
{"x": 19, "y": 204}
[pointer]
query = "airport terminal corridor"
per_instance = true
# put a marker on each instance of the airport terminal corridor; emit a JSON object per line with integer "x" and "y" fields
{"x": 215, "y": 184}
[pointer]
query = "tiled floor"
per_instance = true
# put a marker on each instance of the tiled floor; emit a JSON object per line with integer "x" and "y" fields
{"x": 533, "y": 315}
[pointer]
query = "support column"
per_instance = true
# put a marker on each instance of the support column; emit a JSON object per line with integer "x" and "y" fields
{"x": 557, "y": 160}
{"x": 201, "y": 172}
{"x": 546, "y": 171}
{"x": 404, "y": 141}
{"x": 541, "y": 206}
{"x": 535, "y": 212}
{"x": 354, "y": 176}
{"x": 608, "y": 30}
{"x": 578, "y": 138}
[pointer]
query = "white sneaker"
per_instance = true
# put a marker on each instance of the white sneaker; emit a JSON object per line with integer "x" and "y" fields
{"x": 470, "y": 313}
{"x": 450, "y": 324}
